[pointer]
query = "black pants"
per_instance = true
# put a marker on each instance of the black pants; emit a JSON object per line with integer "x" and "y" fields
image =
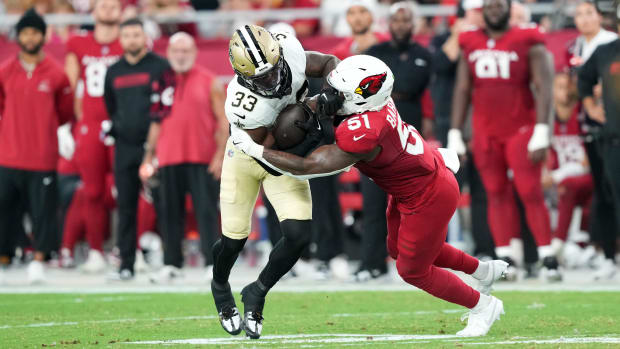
{"x": 127, "y": 162}
{"x": 327, "y": 226}
{"x": 175, "y": 182}
{"x": 603, "y": 225}
{"x": 67, "y": 185}
{"x": 611, "y": 160}
{"x": 481, "y": 232}
{"x": 374, "y": 232}
{"x": 38, "y": 192}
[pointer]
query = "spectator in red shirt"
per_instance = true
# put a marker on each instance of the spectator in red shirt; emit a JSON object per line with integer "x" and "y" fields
{"x": 35, "y": 98}
{"x": 189, "y": 143}
{"x": 360, "y": 19}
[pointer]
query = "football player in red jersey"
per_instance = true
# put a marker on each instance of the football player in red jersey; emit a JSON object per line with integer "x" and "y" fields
{"x": 423, "y": 191}
{"x": 88, "y": 57}
{"x": 497, "y": 69}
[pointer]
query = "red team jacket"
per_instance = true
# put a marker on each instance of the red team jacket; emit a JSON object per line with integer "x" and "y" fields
{"x": 94, "y": 59}
{"x": 32, "y": 106}
{"x": 406, "y": 166}
{"x": 502, "y": 99}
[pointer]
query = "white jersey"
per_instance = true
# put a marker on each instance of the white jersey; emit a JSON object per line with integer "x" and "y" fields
{"x": 248, "y": 110}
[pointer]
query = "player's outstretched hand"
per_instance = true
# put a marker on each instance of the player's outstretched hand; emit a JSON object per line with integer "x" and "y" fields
{"x": 242, "y": 141}
{"x": 330, "y": 101}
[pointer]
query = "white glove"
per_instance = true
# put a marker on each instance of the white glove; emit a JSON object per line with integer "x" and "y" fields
{"x": 66, "y": 143}
{"x": 455, "y": 141}
{"x": 242, "y": 141}
{"x": 450, "y": 159}
{"x": 540, "y": 138}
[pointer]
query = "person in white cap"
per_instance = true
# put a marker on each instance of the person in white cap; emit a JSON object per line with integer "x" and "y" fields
{"x": 359, "y": 14}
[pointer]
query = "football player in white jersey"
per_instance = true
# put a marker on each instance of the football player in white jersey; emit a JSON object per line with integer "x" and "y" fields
{"x": 270, "y": 73}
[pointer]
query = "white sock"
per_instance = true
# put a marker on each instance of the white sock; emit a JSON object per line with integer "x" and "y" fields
{"x": 482, "y": 302}
{"x": 482, "y": 271}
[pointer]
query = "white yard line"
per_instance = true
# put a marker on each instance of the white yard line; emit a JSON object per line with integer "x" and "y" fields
{"x": 319, "y": 340}
{"x": 205, "y": 317}
{"x": 74, "y": 323}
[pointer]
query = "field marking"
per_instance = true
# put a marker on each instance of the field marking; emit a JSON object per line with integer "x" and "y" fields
{"x": 319, "y": 340}
{"x": 419, "y": 312}
{"x": 73, "y": 323}
{"x": 78, "y": 299}
{"x": 207, "y": 317}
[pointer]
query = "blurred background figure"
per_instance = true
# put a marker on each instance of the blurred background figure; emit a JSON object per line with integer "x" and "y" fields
{"x": 88, "y": 57}
{"x": 35, "y": 99}
{"x": 602, "y": 67}
{"x": 568, "y": 170}
{"x": 127, "y": 95}
{"x": 187, "y": 145}
{"x": 603, "y": 226}
{"x": 359, "y": 16}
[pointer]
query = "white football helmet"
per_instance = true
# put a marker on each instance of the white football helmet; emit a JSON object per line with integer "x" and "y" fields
{"x": 365, "y": 81}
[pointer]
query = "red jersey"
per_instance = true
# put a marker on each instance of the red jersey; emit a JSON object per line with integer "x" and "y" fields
{"x": 94, "y": 59}
{"x": 502, "y": 99}
{"x": 188, "y": 133}
{"x": 406, "y": 166}
{"x": 567, "y": 144}
{"x": 32, "y": 106}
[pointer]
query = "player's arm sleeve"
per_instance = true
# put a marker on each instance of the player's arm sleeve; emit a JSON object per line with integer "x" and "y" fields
{"x": 64, "y": 101}
{"x": 536, "y": 35}
{"x": 162, "y": 96}
{"x": 108, "y": 95}
{"x": 588, "y": 76}
{"x": 358, "y": 141}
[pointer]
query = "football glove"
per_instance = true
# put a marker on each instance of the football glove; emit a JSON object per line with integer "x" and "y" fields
{"x": 540, "y": 138}
{"x": 314, "y": 136}
{"x": 66, "y": 143}
{"x": 242, "y": 141}
{"x": 455, "y": 141}
{"x": 330, "y": 101}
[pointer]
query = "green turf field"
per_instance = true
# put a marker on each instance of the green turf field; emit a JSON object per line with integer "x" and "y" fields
{"x": 296, "y": 320}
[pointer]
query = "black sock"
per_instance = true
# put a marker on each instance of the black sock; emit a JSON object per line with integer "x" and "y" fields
{"x": 296, "y": 236}
{"x": 225, "y": 253}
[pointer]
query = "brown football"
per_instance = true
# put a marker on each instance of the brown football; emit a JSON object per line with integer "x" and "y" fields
{"x": 284, "y": 131}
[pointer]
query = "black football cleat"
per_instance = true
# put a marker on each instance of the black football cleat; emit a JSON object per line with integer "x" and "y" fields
{"x": 551, "y": 269}
{"x": 230, "y": 319}
{"x": 253, "y": 304}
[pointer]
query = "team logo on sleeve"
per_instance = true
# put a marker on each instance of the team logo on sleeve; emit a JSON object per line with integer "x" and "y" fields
{"x": 371, "y": 85}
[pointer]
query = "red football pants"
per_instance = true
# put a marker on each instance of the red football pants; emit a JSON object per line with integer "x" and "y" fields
{"x": 93, "y": 160}
{"x": 79, "y": 221}
{"x": 417, "y": 242}
{"x": 493, "y": 158}
{"x": 573, "y": 192}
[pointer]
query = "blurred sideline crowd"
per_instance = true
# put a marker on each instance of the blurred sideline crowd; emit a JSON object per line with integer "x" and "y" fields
{"x": 98, "y": 205}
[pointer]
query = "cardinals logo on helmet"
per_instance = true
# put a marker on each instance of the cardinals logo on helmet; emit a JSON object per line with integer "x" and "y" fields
{"x": 370, "y": 85}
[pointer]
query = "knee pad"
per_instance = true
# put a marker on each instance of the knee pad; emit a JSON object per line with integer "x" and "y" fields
{"x": 297, "y": 232}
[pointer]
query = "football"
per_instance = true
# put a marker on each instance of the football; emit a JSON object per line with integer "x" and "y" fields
{"x": 285, "y": 133}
